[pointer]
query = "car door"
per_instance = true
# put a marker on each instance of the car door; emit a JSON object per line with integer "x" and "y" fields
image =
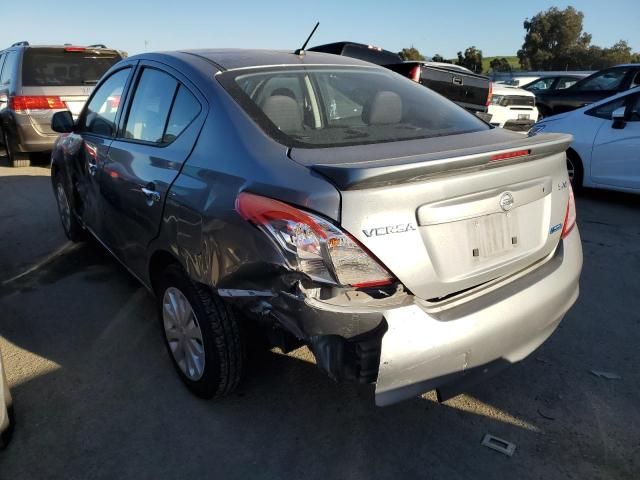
{"x": 87, "y": 147}
{"x": 615, "y": 159}
{"x": 164, "y": 116}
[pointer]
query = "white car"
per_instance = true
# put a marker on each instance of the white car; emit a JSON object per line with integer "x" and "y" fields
{"x": 512, "y": 108}
{"x": 605, "y": 152}
{"x": 6, "y": 424}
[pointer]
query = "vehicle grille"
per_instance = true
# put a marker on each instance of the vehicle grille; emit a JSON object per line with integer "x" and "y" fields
{"x": 515, "y": 100}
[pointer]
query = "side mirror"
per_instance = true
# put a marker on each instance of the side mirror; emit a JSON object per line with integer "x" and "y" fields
{"x": 62, "y": 122}
{"x": 618, "y": 118}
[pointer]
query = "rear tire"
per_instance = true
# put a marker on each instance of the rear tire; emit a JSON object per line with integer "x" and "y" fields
{"x": 70, "y": 224}
{"x": 206, "y": 346}
{"x": 543, "y": 112}
{"x": 575, "y": 171}
{"x": 16, "y": 159}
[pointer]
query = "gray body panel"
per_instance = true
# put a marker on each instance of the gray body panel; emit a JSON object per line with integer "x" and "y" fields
{"x": 431, "y": 184}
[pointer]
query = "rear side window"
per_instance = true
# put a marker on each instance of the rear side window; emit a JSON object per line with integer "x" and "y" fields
{"x": 100, "y": 115}
{"x": 185, "y": 109}
{"x": 150, "y": 107}
{"x": 58, "y": 67}
{"x": 316, "y": 107}
{"x": 7, "y": 67}
{"x": 607, "y": 80}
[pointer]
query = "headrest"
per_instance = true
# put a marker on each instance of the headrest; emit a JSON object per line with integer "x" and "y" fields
{"x": 284, "y": 112}
{"x": 385, "y": 108}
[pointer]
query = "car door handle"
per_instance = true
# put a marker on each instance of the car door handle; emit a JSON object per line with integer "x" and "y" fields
{"x": 93, "y": 167}
{"x": 152, "y": 195}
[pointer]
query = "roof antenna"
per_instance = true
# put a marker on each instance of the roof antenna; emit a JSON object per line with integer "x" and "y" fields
{"x": 300, "y": 51}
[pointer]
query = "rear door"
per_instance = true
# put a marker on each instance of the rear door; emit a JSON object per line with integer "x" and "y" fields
{"x": 86, "y": 149}
{"x": 163, "y": 120}
{"x": 615, "y": 159}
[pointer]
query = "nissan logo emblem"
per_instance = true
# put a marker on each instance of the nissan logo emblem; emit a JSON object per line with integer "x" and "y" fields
{"x": 506, "y": 201}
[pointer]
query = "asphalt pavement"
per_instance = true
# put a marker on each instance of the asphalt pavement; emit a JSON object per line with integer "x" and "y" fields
{"x": 96, "y": 396}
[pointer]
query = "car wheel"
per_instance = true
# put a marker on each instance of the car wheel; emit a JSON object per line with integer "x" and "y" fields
{"x": 16, "y": 159}
{"x": 201, "y": 333}
{"x": 543, "y": 112}
{"x": 72, "y": 228}
{"x": 5, "y": 437}
{"x": 575, "y": 171}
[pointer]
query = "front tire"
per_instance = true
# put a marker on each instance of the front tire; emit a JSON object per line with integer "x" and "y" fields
{"x": 16, "y": 159}
{"x": 70, "y": 224}
{"x": 202, "y": 335}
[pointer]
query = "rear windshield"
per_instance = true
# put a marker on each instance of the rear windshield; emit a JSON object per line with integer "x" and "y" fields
{"x": 61, "y": 68}
{"x": 312, "y": 107}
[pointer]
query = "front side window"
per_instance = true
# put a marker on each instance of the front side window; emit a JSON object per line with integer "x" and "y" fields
{"x": 542, "y": 84}
{"x": 335, "y": 106}
{"x": 607, "y": 80}
{"x": 150, "y": 107}
{"x": 100, "y": 114}
{"x": 605, "y": 111}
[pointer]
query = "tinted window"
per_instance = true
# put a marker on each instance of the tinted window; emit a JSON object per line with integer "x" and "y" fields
{"x": 150, "y": 107}
{"x": 565, "y": 82}
{"x": 345, "y": 106}
{"x": 605, "y": 111}
{"x": 608, "y": 80}
{"x": 634, "y": 110}
{"x": 100, "y": 114}
{"x": 7, "y": 68}
{"x": 185, "y": 109}
{"x": 636, "y": 80}
{"x": 57, "y": 67}
{"x": 542, "y": 84}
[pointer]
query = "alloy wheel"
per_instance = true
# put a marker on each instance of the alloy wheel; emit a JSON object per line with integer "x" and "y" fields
{"x": 183, "y": 333}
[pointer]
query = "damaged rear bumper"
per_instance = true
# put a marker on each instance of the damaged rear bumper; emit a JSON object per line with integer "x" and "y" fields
{"x": 422, "y": 351}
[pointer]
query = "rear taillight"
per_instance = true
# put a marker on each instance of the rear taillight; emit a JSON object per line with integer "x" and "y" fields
{"x": 24, "y": 103}
{"x": 312, "y": 245}
{"x": 490, "y": 96}
{"x": 414, "y": 73}
{"x": 569, "y": 216}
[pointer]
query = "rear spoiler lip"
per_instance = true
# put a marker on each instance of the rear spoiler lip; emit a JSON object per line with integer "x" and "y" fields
{"x": 414, "y": 168}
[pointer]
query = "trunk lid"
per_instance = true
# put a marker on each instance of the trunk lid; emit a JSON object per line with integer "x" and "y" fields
{"x": 443, "y": 214}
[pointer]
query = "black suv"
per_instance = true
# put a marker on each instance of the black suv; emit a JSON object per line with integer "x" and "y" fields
{"x": 36, "y": 82}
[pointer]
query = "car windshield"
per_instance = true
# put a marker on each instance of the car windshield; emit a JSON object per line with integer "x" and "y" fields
{"x": 332, "y": 106}
{"x": 58, "y": 67}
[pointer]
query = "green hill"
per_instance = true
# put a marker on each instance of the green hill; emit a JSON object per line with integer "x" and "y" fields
{"x": 513, "y": 61}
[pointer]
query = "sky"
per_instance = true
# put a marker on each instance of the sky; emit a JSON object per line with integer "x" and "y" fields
{"x": 443, "y": 27}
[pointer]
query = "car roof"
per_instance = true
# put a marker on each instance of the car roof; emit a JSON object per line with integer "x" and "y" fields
{"x": 234, "y": 58}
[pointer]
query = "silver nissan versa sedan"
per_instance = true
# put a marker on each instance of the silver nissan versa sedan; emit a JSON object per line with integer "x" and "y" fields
{"x": 330, "y": 202}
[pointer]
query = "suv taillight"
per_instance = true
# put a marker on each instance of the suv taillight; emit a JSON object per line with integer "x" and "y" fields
{"x": 569, "y": 216}
{"x": 24, "y": 103}
{"x": 312, "y": 245}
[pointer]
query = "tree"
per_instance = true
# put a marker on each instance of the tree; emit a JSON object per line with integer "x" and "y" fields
{"x": 472, "y": 59}
{"x": 411, "y": 53}
{"x": 555, "y": 41}
{"x": 438, "y": 58}
{"x": 500, "y": 65}
{"x": 551, "y": 34}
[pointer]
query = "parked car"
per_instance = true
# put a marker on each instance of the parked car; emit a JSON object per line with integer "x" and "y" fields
{"x": 513, "y": 108}
{"x": 595, "y": 87}
{"x": 35, "y": 82}
{"x": 6, "y": 409}
{"x": 605, "y": 152}
{"x": 329, "y": 200}
{"x": 550, "y": 83}
{"x": 469, "y": 90}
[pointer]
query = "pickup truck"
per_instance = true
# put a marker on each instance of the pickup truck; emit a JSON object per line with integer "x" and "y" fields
{"x": 591, "y": 89}
{"x": 469, "y": 90}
